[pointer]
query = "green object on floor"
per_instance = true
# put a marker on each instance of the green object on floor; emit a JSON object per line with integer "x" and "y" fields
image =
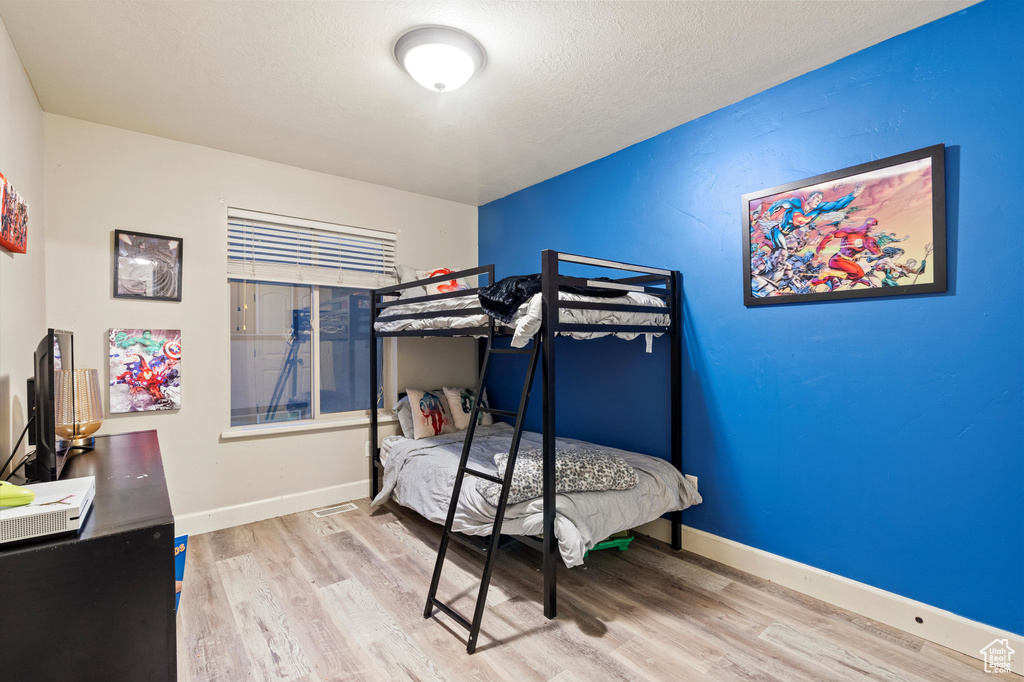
{"x": 622, "y": 543}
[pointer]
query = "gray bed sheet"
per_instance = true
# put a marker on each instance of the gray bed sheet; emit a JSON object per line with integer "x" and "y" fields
{"x": 420, "y": 474}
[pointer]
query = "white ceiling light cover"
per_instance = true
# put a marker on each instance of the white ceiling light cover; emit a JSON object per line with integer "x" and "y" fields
{"x": 439, "y": 58}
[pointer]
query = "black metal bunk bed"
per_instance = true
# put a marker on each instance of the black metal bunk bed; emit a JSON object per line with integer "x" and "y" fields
{"x": 665, "y": 284}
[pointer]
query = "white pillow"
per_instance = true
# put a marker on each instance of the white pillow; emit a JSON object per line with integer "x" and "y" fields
{"x": 405, "y": 275}
{"x": 430, "y": 414}
{"x": 403, "y": 411}
{"x": 441, "y": 287}
{"x": 460, "y": 402}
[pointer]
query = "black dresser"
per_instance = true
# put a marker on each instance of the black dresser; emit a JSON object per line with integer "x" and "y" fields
{"x": 99, "y": 606}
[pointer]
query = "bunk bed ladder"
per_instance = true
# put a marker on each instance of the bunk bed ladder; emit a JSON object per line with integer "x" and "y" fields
{"x": 490, "y": 550}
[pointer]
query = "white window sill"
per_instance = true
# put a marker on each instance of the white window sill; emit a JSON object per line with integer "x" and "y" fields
{"x": 303, "y": 426}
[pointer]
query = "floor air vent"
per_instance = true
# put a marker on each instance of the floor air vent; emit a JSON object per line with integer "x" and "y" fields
{"x": 331, "y": 511}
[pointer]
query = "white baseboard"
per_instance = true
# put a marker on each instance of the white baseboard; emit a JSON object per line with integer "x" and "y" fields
{"x": 239, "y": 514}
{"x": 939, "y": 626}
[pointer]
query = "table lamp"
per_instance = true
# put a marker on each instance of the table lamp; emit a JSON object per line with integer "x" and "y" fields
{"x": 78, "y": 407}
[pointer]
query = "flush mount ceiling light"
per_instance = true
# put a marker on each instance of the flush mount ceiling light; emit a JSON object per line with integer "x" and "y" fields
{"x": 439, "y": 58}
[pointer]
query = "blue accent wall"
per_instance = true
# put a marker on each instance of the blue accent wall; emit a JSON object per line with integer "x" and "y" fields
{"x": 880, "y": 439}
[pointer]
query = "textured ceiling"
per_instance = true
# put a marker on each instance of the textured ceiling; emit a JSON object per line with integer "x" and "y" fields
{"x": 314, "y": 84}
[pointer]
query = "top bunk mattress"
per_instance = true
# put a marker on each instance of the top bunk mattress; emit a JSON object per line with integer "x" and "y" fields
{"x": 527, "y": 319}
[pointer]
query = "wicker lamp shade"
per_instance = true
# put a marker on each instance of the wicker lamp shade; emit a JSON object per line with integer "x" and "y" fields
{"x": 78, "y": 405}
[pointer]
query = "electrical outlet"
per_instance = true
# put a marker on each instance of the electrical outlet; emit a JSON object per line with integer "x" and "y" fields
{"x": 692, "y": 479}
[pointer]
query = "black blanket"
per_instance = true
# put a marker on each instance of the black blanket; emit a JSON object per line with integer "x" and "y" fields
{"x": 501, "y": 299}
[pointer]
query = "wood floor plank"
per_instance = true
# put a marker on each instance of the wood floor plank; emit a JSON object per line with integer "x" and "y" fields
{"x": 421, "y": 540}
{"x": 880, "y": 630}
{"x": 446, "y": 646}
{"x": 690, "y": 573}
{"x": 697, "y": 636}
{"x": 657, "y": 658}
{"x": 731, "y": 670}
{"x": 969, "y": 669}
{"x": 829, "y": 656}
{"x": 305, "y": 535}
{"x": 230, "y": 542}
{"x": 462, "y": 573}
{"x": 519, "y": 640}
{"x": 332, "y": 654}
{"x": 341, "y": 598}
{"x": 213, "y": 649}
{"x": 273, "y": 649}
{"x": 553, "y": 641}
{"x": 829, "y": 625}
{"x": 271, "y": 537}
{"x": 447, "y": 649}
{"x": 368, "y": 525}
{"x": 391, "y": 590}
{"x": 392, "y": 651}
{"x": 721, "y": 624}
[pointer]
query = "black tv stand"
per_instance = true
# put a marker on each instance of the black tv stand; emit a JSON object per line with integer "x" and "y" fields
{"x": 100, "y": 605}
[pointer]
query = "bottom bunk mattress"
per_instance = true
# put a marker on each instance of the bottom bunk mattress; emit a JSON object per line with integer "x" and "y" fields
{"x": 420, "y": 475}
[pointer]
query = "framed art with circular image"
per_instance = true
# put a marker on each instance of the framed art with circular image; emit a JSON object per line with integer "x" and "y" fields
{"x": 147, "y": 266}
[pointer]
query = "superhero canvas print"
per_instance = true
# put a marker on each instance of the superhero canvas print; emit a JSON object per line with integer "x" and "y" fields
{"x": 145, "y": 370}
{"x": 13, "y": 218}
{"x": 876, "y": 229}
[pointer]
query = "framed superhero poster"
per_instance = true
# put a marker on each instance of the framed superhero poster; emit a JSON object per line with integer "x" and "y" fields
{"x": 145, "y": 370}
{"x": 877, "y": 229}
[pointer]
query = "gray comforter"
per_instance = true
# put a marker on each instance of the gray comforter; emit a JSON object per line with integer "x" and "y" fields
{"x": 420, "y": 474}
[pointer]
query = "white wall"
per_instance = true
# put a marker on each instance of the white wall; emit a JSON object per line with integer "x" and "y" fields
{"x": 22, "y": 279}
{"x": 100, "y": 178}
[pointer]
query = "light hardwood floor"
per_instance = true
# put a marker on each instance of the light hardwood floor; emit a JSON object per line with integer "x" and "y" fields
{"x": 341, "y": 598}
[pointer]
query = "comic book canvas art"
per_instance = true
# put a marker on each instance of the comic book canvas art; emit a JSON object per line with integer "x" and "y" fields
{"x": 873, "y": 230}
{"x": 145, "y": 370}
{"x": 13, "y": 218}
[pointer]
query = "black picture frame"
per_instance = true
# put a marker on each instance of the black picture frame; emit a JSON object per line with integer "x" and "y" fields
{"x": 147, "y": 266}
{"x": 780, "y": 265}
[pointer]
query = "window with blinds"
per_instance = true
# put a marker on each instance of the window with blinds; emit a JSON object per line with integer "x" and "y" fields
{"x": 300, "y": 317}
{"x": 273, "y": 248}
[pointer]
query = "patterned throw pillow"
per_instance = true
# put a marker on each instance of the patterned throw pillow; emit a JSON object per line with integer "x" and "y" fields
{"x": 575, "y": 471}
{"x": 430, "y": 414}
{"x": 460, "y": 401}
{"x": 403, "y": 411}
{"x": 441, "y": 287}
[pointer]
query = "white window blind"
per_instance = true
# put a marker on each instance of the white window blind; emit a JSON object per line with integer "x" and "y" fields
{"x": 273, "y": 248}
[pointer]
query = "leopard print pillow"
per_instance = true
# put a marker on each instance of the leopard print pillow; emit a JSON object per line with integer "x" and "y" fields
{"x": 575, "y": 471}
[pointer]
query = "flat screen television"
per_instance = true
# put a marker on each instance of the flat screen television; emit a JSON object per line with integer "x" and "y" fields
{"x": 55, "y": 352}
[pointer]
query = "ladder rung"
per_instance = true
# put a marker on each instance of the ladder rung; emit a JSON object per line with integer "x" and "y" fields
{"x": 453, "y": 613}
{"x": 512, "y": 351}
{"x": 466, "y": 541}
{"x": 480, "y": 474}
{"x": 503, "y": 413}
